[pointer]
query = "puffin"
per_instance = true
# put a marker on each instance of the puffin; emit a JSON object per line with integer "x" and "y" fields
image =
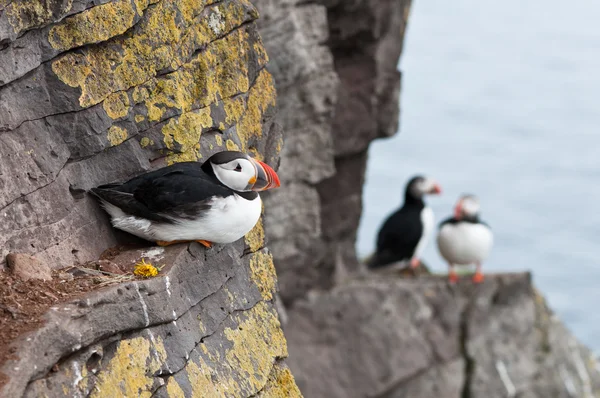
{"x": 464, "y": 239}
{"x": 405, "y": 233}
{"x": 213, "y": 202}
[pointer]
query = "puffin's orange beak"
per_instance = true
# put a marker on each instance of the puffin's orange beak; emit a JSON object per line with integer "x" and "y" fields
{"x": 458, "y": 210}
{"x": 266, "y": 177}
{"x": 437, "y": 189}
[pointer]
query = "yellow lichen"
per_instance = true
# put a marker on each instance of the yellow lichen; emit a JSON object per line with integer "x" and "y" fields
{"x": 231, "y": 146}
{"x": 218, "y": 72}
{"x": 246, "y": 366}
{"x": 116, "y": 135}
{"x": 139, "y": 118}
{"x": 260, "y": 97}
{"x": 256, "y": 343}
{"x": 145, "y": 141}
{"x": 116, "y": 105}
{"x": 26, "y": 14}
{"x": 263, "y": 273}
{"x": 185, "y": 132}
{"x": 255, "y": 154}
{"x": 279, "y": 144}
{"x": 147, "y": 270}
{"x": 281, "y": 384}
{"x": 164, "y": 38}
{"x": 259, "y": 49}
{"x": 174, "y": 389}
{"x": 255, "y": 239}
{"x": 234, "y": 109}
{"x": 73, "y": 69}
{"x": 129, "y": 372}
{"x": 93, "y": 25}
{"x": 139, "y": 94}
{"x": 218, "y": 140}
{"x": 200, "y": 379}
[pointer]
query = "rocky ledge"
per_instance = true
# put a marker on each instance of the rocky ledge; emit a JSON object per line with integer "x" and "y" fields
{"x": 205, "y": 327}
{"x": 385, "y": 336}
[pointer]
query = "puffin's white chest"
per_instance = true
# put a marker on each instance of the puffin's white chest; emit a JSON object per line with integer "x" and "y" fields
{"x": 428, "y": 223}
{"x": 227, "y": 220}
{"x": 464, "y": 243}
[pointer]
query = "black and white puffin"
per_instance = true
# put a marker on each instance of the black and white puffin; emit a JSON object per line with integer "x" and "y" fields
{"x": 464, "y": 239}
{"x": 216, "y": 202}
{"x": 404, "y": 234}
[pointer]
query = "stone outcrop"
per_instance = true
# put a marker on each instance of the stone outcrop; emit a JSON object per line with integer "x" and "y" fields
{"x": 335, "y": 67}
{"x": 295, "y": 34}
{"x": 93, "y": 92}
{"x": 383, "y": 336}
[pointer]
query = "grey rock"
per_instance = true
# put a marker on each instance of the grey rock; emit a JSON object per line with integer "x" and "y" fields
{"x": 295, "y": 34}
{"x": 27, "y": 267}
{"x": 379, "y": 336}
{"x": 196, "y": 311}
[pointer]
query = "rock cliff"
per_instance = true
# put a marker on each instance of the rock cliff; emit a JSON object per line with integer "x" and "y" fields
{"x": 93, "y": 91}
{"x": 335, "y": 67}
{"x": 97, "y": 91}
{"x": 366, "y": 335}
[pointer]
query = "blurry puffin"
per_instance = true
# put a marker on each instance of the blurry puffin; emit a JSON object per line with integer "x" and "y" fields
{"x": 464, "y": 239}
{"x": 216, "y": 202}
{"x": 405, "y": 233}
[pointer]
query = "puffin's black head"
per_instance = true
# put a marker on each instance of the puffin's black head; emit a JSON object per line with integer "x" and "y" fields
{"x": 240, "y": 172}
{"x": 419, "y": 186}
{"x": 467, "y": 207}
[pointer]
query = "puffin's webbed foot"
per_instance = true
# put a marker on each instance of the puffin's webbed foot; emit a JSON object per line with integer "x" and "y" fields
{"x": 414, "y": 262}
{"x": 478, "y": 277}
{"x": 452, "y": 277}
{"x": 205, "y": 243}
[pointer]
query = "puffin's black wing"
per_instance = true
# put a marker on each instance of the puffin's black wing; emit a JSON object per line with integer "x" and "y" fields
{"x": 182, "y": 190}
{"x": 398, "y": 237}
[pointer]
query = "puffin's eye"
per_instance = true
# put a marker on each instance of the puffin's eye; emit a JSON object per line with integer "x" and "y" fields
{"x": 238, "y": 167}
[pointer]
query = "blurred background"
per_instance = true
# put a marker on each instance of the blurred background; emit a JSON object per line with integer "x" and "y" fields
{"x": 500, "y": 99}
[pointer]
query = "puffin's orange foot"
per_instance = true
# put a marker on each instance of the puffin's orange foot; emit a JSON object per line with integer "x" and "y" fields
{"x": 478, "y": 277}
{"x": 452, "y": 277}
{"x": 414, "y": 263}
{"x": 205, "y": 243}
{"x": 168, "y": 243}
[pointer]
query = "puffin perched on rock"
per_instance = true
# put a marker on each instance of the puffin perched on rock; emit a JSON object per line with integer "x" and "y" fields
{"x": 216, "y": 202}
{"x": 405, "y": 233}
{"x": 464, "y": 239}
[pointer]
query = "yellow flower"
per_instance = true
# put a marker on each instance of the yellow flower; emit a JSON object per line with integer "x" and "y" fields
{"x": 142, "y": 268}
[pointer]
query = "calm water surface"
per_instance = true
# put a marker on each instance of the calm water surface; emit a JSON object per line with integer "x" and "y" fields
{"x": 502, "y": 99}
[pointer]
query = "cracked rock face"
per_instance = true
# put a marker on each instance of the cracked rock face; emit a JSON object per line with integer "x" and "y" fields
{"x": 385, "y": 337}
{"x": 93, "y": 92}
